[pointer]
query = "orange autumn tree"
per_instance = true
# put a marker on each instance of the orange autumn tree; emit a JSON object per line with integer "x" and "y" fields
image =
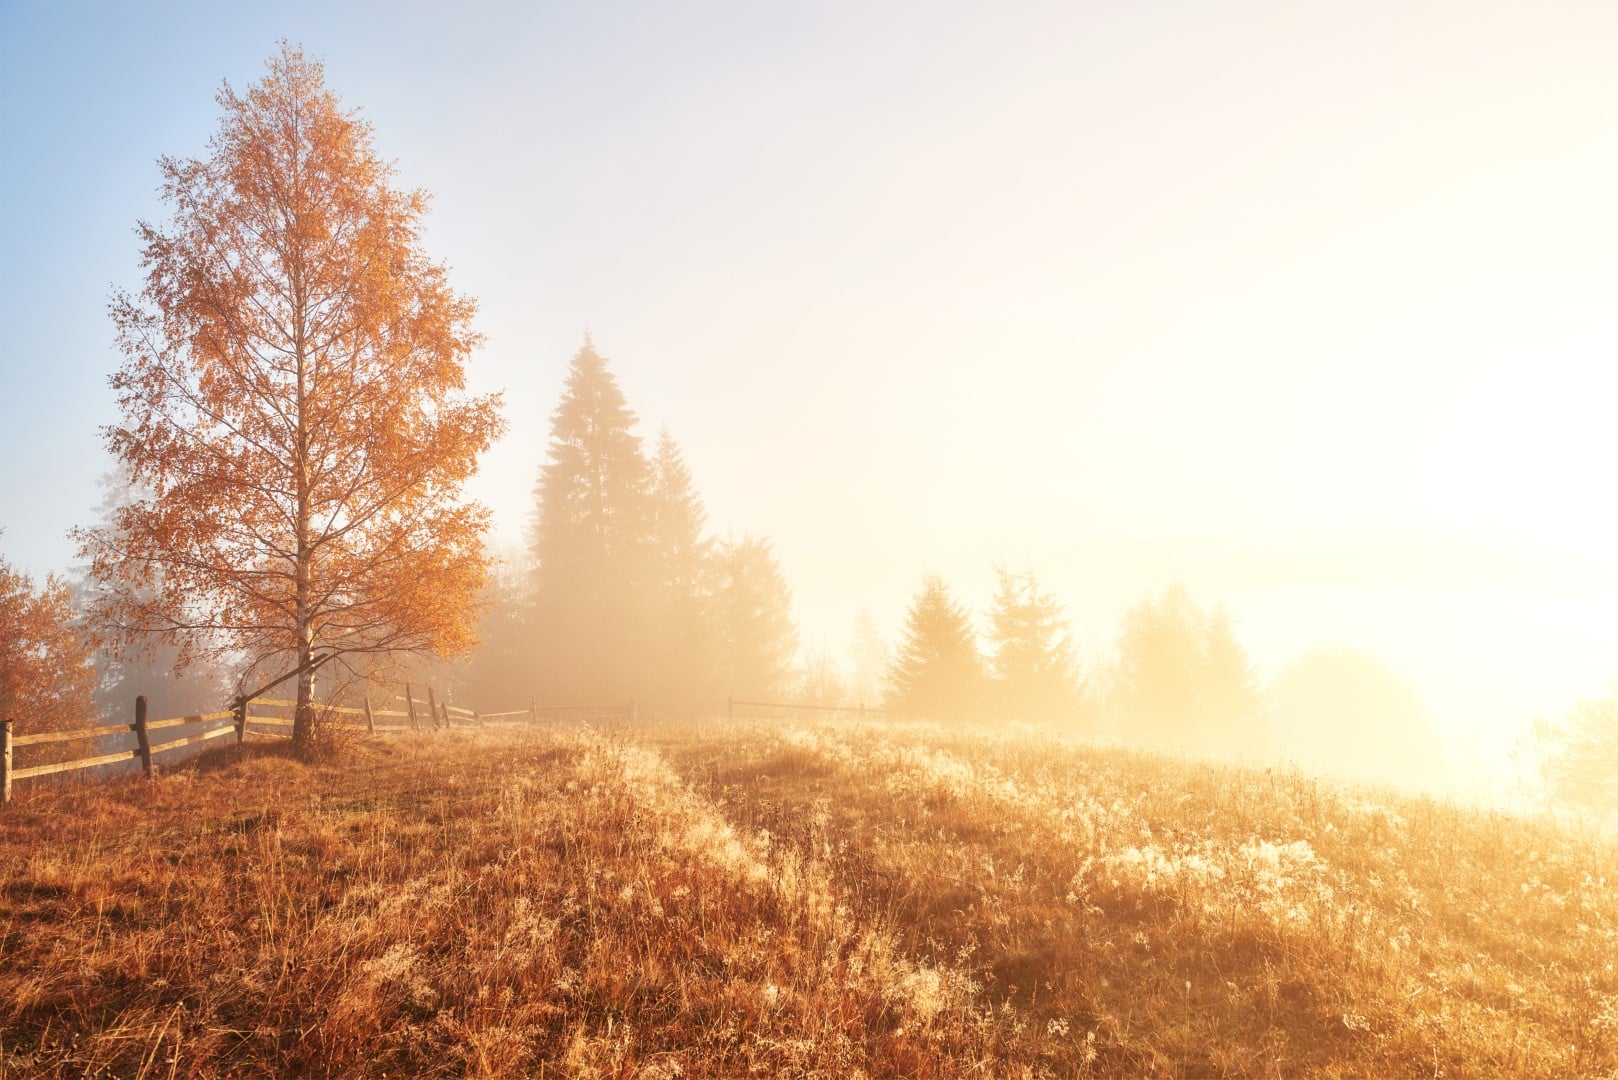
{"x": 47, "y": 681}
{"x": 294, "y": 406}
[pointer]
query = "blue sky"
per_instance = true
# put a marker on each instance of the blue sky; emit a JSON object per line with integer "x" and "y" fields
{"x": 1305, "y": 306}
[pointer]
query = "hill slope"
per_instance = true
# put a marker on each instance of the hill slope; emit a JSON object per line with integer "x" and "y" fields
{"x": 797, "y": 899}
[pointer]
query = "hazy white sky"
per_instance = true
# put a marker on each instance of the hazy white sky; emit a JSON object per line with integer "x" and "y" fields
{"x": 1308, "y": 306}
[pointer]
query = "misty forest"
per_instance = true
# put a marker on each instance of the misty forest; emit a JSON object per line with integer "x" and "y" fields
{"x": 332, "y": 750}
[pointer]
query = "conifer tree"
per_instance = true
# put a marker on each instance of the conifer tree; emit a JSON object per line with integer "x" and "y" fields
{"x": 938, "y": 671}
{"x": 1157, "y": 676}
{"x": 682, "y": 652}
{"x": 1233, "y": 706}
{"x": 590, "y": 542}
{"x": 1035, "y": 674}
{"x": 757, "y": 639}
{"x": 1183, "y": 680}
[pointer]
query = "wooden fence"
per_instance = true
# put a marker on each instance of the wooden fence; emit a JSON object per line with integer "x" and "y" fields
{"x": 732, "y": 704}
{"x": 246, "y": 716}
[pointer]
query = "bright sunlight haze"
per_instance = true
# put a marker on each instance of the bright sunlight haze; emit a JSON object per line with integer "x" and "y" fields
{"x": 1305, "y": 308}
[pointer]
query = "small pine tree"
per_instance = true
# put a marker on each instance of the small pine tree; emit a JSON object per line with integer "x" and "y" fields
{"x": 756, "y": 636}
{"x": 1157, "y": 675}
{"x": 682, "y": 656}
{"x": 1182, "y": 680}
{"x": 938, "y": 671}
{"x": 1035, "y": 673}
{"x": 1233, "y": 706}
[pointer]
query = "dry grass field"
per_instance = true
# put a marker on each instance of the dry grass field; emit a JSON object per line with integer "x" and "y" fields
{"x": 788, "y": 898}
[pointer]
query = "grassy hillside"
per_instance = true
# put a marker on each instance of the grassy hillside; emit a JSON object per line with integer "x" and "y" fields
{"x": 788, "y": 899}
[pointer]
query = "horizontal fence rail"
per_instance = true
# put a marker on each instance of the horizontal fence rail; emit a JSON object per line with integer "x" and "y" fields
{"x": 141, "y": 727}
{"x": 731, "y": 704}
{"x": 246, "y": 717}
{"x": 258, "y": 716}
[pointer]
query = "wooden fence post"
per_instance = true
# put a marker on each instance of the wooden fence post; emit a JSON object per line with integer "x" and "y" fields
{"x": 240, "y": 708}
{"x": 142, "y": 736}
{"x": 477, "y": 720}
{"x": 444, "y": 711}
{"x": 370, "y": 721}
{"x": 533, "y": 712}
{"x": 410, "y": 703}
{"x": 5, "y": 761}
{"x": 432, "y": 706}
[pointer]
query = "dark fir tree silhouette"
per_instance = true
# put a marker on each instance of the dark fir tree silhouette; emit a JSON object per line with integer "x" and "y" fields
{"x": 590, "y": 543}
{"x": 756, "y": 637}
{"x": 1035, "y": 674}
{"x": 937, "y": 671}
{"x": 682, "y": 660}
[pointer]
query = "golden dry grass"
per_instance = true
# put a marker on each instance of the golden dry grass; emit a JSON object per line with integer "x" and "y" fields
{"x": 788, "y": 899}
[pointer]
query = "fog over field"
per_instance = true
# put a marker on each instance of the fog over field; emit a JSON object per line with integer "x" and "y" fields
{"x": 1305, "y": 309}
{"x": 921, "y": 539}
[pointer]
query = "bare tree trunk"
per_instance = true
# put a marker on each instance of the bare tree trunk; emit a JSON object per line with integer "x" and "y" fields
{"x": 303, "y": 723}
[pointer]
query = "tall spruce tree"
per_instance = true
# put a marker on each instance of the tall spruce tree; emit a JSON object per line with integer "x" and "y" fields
{"x": 682, "y": 659}
{"x": 1035, "y": 674}
{"x": 757, "y": 639}
{"x": 938, "y": 671}
{"x": 590, "y": 543}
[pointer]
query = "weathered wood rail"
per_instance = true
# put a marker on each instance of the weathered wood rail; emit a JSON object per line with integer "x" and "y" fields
{"x": 248, "y": 716}
{"x": 732, "y": 704}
